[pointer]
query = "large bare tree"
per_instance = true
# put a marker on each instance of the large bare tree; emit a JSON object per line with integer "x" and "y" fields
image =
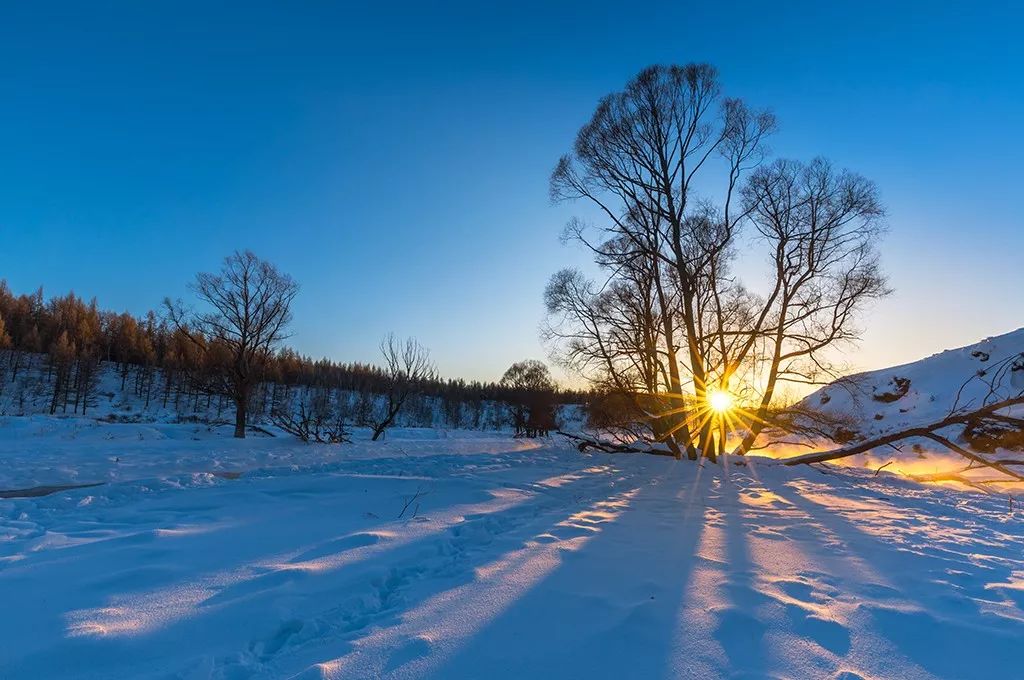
{"x": 671, "y": 324}
{"x": 246, "y": 309}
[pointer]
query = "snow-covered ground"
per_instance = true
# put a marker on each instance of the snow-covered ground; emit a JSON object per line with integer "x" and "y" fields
{"x": 880, "y": 401}
{"x": 922, "y": 393}
{"x": 473, "y": 555}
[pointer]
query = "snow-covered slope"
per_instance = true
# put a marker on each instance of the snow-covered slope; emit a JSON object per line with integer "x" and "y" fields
{"x": 475, "y": 555}
{"x": 925, "y": 391}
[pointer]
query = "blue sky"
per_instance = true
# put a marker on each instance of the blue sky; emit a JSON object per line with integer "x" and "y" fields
{"x": 394, "y": 157}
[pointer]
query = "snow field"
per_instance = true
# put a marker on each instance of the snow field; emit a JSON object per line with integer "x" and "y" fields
{"x": 510, "y": 559}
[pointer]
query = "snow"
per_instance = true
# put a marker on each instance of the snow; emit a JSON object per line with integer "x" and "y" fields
{"x": 958, "y": 377}
{"x": 921, "y": 393}
{"x": 459, "y": 554}
{"x": 116, "y": 399}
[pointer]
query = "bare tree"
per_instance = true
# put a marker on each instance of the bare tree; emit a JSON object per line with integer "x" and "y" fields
{"x": 671, "y": 324}
{"x": 637, "y": 161}
{"x": 819, "y": 226}
{"x": 407, "y": 367}
{"x": 314, "y": 419}
{"x": 247, "y": 311}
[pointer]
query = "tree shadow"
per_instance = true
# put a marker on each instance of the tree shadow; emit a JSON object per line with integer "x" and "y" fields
{"x": 739, "y": 629}
{"x": 948, "y": 629}
{"x": 608, "y": 609}
{"x": 374, "y": 589}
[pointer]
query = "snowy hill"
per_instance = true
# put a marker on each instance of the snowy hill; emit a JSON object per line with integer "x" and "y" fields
{"x": 927, "y": 390}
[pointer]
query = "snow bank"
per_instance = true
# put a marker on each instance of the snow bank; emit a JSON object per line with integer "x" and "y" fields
{"x": 923, "y": 391}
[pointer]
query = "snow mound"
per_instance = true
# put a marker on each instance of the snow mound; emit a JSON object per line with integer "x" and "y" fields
{"x": 923, "y": 391}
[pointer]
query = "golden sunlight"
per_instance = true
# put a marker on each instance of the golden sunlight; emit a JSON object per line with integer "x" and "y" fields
{"x": 720, "y": 401}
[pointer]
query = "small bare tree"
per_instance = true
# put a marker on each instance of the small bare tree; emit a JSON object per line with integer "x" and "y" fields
{"x": 407, "y": 366}
{"x": 248, "y": 309}
{"x": 314, "y": 419}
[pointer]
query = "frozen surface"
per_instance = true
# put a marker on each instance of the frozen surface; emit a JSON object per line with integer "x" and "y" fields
{"x": 203, "y": 557}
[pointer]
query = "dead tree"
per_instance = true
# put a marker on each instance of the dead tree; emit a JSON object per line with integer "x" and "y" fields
{"x": 407, "y": 367}
{"x": 316, "y": 420}
{"x": 247, "y": 311}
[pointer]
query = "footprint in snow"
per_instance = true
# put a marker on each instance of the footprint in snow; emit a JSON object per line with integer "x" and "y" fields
{"x": 739, "y": 633}
{"x": 415, "y": 648}
{"x": 801, "y": 590}
{"x": 268, "y": 648}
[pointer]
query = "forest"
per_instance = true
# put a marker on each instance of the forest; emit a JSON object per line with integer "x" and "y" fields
{"x": 53, "y": 351}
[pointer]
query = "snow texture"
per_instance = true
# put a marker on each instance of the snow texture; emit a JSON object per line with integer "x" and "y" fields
{"x": 473, "y": 555}
{"x": 957, "y": 377}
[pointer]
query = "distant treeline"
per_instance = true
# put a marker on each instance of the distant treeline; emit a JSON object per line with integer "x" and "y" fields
{"x": 160, "y": 364}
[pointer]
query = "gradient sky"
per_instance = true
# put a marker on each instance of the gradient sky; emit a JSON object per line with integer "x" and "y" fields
{"x": 394, "y": 157}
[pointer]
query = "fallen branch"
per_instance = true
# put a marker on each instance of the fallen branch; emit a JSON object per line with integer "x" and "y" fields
{"x": 257, "y": 428}
{"x": 583, "y": 444}
{"x": 420, "y": 493}
{"x": 928, "y": 432}
{"x": 883, "y": 467}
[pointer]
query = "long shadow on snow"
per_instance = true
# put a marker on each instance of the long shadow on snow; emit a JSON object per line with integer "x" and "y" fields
{"x": 435, "y": 566}
{"x": 948, "y": 647}
{"x": 164, "y": 508}
{"x": 374, "y": 594}
{"x": 739, "y": 630}
{"x": 608, "y": 610}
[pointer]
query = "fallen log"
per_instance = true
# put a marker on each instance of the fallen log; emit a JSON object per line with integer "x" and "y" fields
{"x": 583, "y": 444}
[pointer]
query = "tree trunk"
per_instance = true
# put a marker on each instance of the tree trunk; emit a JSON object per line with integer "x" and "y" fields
{"x": 394, "y": 406}
{"x": 240, "y": 409}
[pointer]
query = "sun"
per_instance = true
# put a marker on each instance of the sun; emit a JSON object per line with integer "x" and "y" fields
{"x": 720, "y": 401}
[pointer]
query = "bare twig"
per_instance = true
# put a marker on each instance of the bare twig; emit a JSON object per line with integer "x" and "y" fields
{"x": 420, "y": 493}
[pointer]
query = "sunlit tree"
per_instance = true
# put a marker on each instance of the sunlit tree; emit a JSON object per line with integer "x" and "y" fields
{"x": 675, "y": 173}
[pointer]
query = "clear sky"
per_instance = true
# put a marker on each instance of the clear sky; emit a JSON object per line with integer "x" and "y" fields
{"x": 394, "y": 157}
